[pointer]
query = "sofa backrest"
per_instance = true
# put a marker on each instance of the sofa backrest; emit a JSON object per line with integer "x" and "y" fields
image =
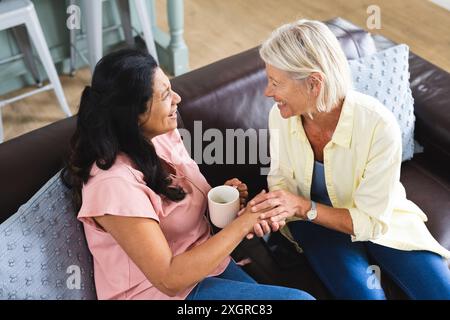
{"x": 29, "y": 161}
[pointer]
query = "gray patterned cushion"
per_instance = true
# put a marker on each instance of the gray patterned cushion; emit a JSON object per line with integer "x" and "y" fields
{"x": 385, "y": 76}
{"x": 43, "y": 251}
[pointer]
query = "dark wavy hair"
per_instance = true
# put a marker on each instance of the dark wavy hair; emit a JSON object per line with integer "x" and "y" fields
{"x": 108, "y": 123}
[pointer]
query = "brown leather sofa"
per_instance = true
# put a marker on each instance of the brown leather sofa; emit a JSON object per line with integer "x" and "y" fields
{"x": 229, "y": 94}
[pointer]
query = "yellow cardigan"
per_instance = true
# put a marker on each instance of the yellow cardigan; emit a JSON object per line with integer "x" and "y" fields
{"x": 362, "y": 172}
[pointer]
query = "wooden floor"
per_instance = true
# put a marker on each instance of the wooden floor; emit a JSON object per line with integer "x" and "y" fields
{"x": 215, "y": 29}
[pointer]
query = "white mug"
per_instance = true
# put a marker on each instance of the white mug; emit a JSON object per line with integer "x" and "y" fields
{"x": 223, "y": 204}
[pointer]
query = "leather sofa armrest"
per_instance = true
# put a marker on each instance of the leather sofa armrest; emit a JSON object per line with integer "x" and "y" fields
{"x": 430, "y": 87}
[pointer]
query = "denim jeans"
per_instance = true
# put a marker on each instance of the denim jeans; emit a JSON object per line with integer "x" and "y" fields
{"x": 344, "y": 268}
{"x": 235, "y": 284}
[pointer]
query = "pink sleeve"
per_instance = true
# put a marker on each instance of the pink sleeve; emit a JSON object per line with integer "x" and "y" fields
{"x": 116, "y": 196}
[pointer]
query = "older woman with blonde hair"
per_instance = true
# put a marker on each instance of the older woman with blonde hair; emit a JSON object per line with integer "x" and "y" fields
{"x": 335, "y": 173}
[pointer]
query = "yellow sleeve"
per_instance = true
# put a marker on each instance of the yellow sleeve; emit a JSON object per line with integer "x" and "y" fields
{"x": 276, "y": 178}
{"x": 374, "y": 197}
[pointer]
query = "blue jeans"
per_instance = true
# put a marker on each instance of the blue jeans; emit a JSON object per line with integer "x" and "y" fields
{"x": 235, "y": 284}
{"x": 344, "y": 268}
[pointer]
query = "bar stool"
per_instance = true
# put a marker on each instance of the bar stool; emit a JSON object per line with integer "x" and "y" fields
{"x": 92, "y": 10}
{"x": 17, "y": 12}
{"x": 25, "y": 47}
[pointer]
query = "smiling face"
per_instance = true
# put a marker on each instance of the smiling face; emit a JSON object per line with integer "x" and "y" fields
{"x": 161, "y": 116}
{"x": 291, "y": 96}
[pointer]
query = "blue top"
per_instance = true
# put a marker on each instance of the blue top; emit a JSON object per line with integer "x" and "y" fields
{"x": 319, "y": 191}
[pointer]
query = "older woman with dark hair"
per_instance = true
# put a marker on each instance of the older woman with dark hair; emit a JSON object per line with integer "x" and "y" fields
{"x": 335, "y": 173}
{"x": 143, "y": 204}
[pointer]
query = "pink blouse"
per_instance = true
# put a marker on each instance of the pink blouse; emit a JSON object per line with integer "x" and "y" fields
{"x": 122, "y": 191}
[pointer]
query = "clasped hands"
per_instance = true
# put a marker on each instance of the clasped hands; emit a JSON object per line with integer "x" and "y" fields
{"x": 273, "y": 208}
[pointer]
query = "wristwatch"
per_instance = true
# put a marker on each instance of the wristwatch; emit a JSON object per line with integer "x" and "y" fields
{"x": 312, "y": 213}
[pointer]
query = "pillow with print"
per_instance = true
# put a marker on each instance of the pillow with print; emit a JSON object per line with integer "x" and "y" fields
{"x": 385, "y": 76}
{"x": 43, "y": 250}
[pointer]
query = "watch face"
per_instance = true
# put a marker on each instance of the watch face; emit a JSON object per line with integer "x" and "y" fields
{"x": 311, "y": 214}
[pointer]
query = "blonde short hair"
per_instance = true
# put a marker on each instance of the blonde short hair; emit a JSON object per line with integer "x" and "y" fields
{"x": 306, "y": 46}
